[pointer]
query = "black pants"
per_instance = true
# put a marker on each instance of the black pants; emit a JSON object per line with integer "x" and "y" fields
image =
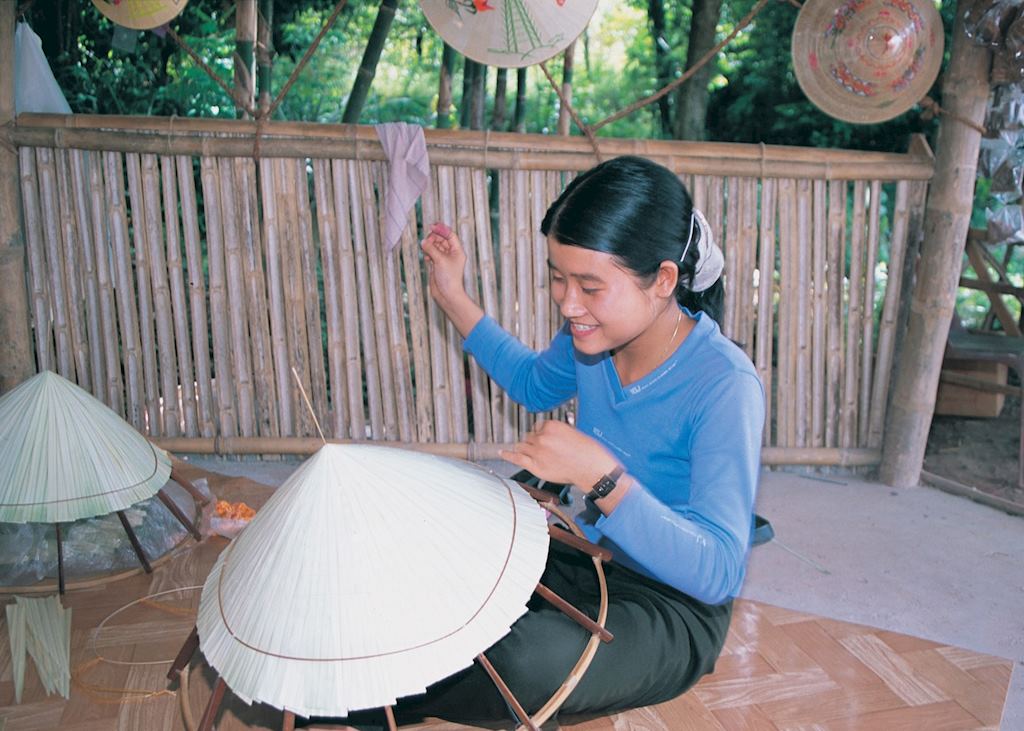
{"x": 665, "y": 641}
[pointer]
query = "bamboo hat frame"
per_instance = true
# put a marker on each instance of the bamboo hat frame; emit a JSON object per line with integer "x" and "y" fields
{"x": 308, "y": 609}
{"x": 866, "y": 61}
{"x": 140, "y": 14}
{"x": 508, "y": 33}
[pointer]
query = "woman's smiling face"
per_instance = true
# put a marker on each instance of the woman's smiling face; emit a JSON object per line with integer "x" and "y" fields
{"x": 607, "y": 306}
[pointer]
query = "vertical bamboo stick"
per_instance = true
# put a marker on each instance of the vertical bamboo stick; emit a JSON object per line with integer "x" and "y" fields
{"x": 101, "y": 235}
{"x": 890, "y": 312}
{"x": 766, "y": 299}
{"x": 71, "y": 249}
{"x": 162, "y": 313}
{"x": 699, "y": 193}
{"x": 199, "y": 321}
{"x": 239, "y": 313}
{"x": 35, "y": 250}
{"x": 147, "y": 341}
{"x": 312, "y": 301}
{"x": 372, "y": 374}
{"x": 372, "y": 179}
{"x": 453, "y": 352}
{"x": 468, "y": 221}
{"x": 733, "y": 272}
{"x": 524, "y": 275}
{"x": 346, "y": 209}
{"x": 413, "y": 270}
{"x": 124, "y": 289}
{"x": 49, "y": 199}
{"x": 507, "y": 292}
{"x": 803, "y": 299}
{"x": 91, "y": 295}
{"x": 179, "y": 305}
{"x": 748, "y": 263}
{"x": 789, "y": 270}
{"x": 541, "y": 192}
{"x": 260, "y": 346}
{"x": 848, "y": 423}
{"x": 398, "y": 338}
{"x": 220, "y": 320}
{"x": 820, "y": 297}
{"x": 868, "y": 352}
{"x": 327, "y": 227}
{"x": 835, "y": 258}
{"x": 275, "y": 242}
{"x": 437, "y": 324}
{"x": 489, "y": 285}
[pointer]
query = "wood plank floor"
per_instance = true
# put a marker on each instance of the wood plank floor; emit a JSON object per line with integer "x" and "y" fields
{"x": 781, "y": 670}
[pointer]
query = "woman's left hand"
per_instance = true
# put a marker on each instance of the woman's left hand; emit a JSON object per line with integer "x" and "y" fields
{"x": 557, "y": 452}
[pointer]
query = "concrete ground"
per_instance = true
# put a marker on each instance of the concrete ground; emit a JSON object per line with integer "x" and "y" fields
{"x": 916, "y": 561}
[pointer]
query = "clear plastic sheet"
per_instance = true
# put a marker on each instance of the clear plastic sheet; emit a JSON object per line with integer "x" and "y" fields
{"x": 992, "y": 154}
{"x": 1007, "y": 110}
{"x": 28, "y": 552}
{"x": 1006, "y": 226}
{"x": 1013, "y": 39}
{"x": 987, "y": 24}
{"x": 1007, "y": 178}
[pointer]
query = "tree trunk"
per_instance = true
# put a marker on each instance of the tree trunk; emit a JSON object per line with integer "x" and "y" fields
{"x": 265, "y": 54}
{"x": 946, "y": 221}
{"x": 368, "y": 67}
{"x": 16, "y": 358}
{"x": 564, "y": 119}
{"x": 444, "y": 88}
{"x": 519, "y": 120}
{"x": 500, "y": 99}
{"x": 479, "y": 97}
{"x": 692, "y": 97}
{"x": 466, "y": 102}
{"x": 662, "y": 62}
{"x": 245, "y": 56}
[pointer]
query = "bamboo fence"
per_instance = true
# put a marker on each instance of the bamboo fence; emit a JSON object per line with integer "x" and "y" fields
{"x": 180, "y": 269}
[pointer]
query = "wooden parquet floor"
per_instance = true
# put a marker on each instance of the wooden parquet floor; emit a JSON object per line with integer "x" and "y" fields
{"x": 781, "y": 670}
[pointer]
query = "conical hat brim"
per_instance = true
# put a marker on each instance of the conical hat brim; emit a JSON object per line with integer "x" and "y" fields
{"x": 371, "y": 573}
{"x": 510, "y": 33}
{"x": 64, "y": 455}
{"x": 867, "y": 61}
{"x": 141, "y": 14}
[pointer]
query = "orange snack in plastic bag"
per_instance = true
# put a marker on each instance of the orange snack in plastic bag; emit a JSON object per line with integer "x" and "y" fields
{"x": 234, "y": 511}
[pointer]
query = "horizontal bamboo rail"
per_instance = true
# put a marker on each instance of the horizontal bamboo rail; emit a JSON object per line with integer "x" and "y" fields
{"x": 501, "y": 150}
{"x": 181, "y": 280}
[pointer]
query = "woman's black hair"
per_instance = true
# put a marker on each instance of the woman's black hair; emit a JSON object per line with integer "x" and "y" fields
{"x": 640, "y": 213}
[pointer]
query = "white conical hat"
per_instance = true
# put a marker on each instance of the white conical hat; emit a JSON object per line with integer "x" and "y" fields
{"x": 371, "y": 573}
{"x": 64, "y": 455}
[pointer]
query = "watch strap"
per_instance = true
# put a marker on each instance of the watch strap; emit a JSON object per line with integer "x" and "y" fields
{"x": 604, "y": 486}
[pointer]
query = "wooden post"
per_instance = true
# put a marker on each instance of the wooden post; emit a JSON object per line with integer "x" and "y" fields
{"x": 245, "y": 56}
{"x": 947, "y": 218}
{"x": 16, "y": 359}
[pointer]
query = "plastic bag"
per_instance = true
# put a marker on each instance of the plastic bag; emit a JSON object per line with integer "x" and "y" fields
{"x": 1008, "y": 176}
{"x": 991, "y": 155}
{"x": 35, "y": 88}
{"x": 986, "y": 24}
{"x": 1005, "y": 226}
{"x": 1007, "y": 110}
{"x": 1013, "y": 39}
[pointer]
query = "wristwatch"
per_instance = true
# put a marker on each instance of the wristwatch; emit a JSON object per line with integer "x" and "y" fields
{"x": 604, "y": 486}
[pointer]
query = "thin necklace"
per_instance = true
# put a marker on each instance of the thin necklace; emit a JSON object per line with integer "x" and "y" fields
{"x": 679, "y": 319}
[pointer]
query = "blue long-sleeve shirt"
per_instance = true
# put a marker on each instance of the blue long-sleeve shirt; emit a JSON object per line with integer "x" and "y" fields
{"x": 688, "y": 433}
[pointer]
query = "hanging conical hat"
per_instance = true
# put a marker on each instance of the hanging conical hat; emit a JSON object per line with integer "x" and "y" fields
{"x": 509, "y": 33}
{"x": 867, "y": 61}
{"x": 64, "y": 455}
{"x": 140, "y": 14}
{"x": 369, "y": 574}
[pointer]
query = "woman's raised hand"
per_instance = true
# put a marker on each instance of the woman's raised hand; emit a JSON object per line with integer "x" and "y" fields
{"x": 557, "y": 452}
{"x": 446, "y": 267}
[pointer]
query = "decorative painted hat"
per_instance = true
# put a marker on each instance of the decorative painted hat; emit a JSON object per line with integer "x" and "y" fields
{"x": 509, "y": 33}
{"x": 64, "y": 455}
{"x": 140, "y": 14}
{"x": 371, "y": 573}
{"x": 867, "y": 61}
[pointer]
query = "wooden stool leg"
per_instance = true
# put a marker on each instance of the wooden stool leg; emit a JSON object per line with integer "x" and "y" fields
{"x": 135, "y": 542}
{"x": 60, "y": 559}
{"x": 189, "y": 487}
{"x": 176, "y": 512}
{"x": 206, "y": 723}
{"x": 288, "y": 723}
{"x": 390, "y": 714}
{"x": 574, "y": 614}
{"x": 521, "y": 715}
{"x": 184, "y": 655}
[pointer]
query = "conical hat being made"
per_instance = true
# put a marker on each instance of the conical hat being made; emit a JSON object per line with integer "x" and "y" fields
{"x": 509, "y": 33}
{"x": 867, "y": 61}
{"x": 64, "y": 455}
{"x": 140, "y": 14}
{"x": 371, "y": 573}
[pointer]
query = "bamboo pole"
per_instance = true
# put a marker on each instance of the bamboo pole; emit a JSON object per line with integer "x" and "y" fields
{"x": 436, "y": 325}
{"x": 765, "y": 300}
{"x": 486, "y": 265}
{"x": 836, "y": 257}
{"x": 235, "y": 138}
{"x": 178, "y": 296}
{"x": 197, "y": 295}
{"x": 868, "y": 315}
{"x": 57, "y": 289}
{"x": 785, "y": 397}
{"x": 855, "y": 303}
{"x": 101, "y": 234}
{"x": 418, "y": 332}
{"x": 947, "y": 218}
{"x": 91, "y": 295}
{"x": 398, "y": 340}
{"x": 349, "y": 304}
{"x": 733, "y": 271}
{"x": 275, "y": 242}
{"x": 524, "y": 269}
{"x": 468, "y": 222}
{"x": 73, "y": 271}
{"x": 131, "y": 356}
{"x": 748, "y": 258}
{"x": 163, "y": 314}
{"x": 454, "y": 359}
{"x": 36, "y": 253}
{"x": 802, "y": 239}
{"x": 505, "y": 429}
{"x": 819, "y": 263}
{"x": 16, "y": 357}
